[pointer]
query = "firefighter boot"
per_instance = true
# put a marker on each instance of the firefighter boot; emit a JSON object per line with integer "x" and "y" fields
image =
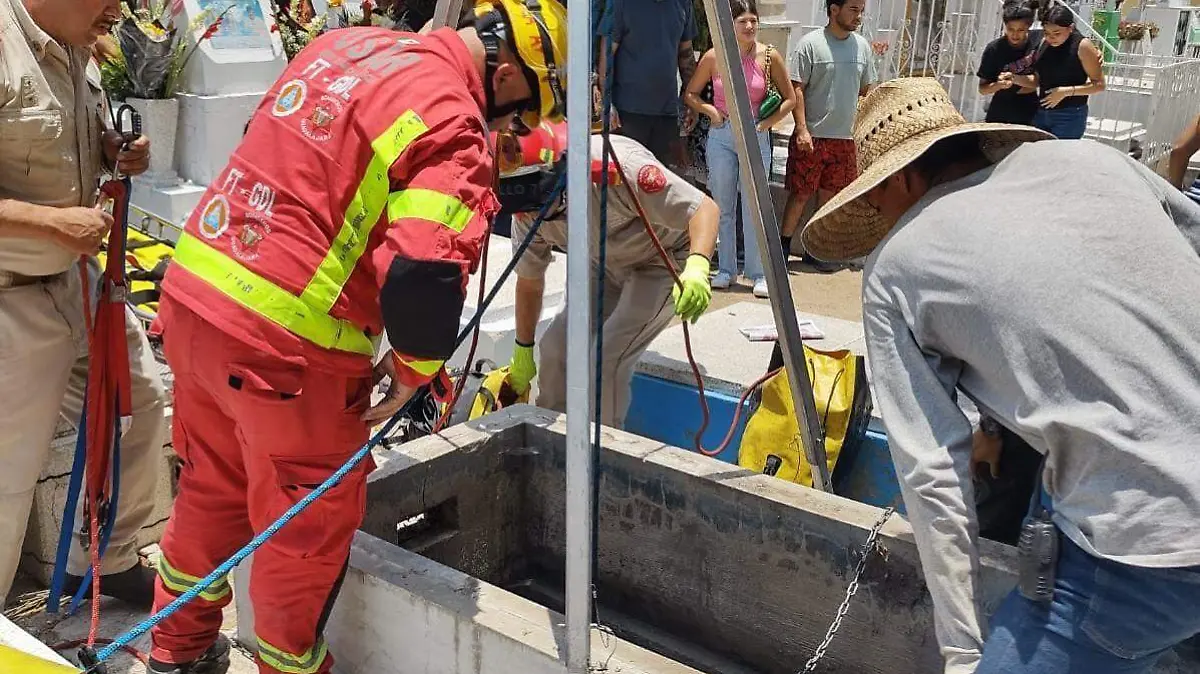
{"x": 134, "y": 586}
{"x": 214, "y": 661}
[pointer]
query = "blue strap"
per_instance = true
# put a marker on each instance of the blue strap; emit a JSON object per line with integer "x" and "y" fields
{"x": 68, "y": 521}
{"x": 78, "y": 468}
{"x": 109, "y": 521}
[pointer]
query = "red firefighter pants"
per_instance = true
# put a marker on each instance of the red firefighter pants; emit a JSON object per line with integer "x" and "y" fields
{"x": 255, "y": 436}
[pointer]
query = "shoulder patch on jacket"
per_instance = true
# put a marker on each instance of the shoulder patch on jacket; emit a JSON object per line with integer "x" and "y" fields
{"x": 651, "y": 179}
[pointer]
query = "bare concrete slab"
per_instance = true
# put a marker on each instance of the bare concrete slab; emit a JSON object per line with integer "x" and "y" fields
{"x": 728, "y": 361}
{"x": 28, "y": 613}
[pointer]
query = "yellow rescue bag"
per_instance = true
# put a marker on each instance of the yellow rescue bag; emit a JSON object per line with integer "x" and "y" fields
{"x": 485, "y": 391}
{"x": 12, "y": 660}
{"x": 771, "y": 444}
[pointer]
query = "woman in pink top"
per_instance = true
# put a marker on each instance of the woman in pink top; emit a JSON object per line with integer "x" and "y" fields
{"x": 724, "y": 178}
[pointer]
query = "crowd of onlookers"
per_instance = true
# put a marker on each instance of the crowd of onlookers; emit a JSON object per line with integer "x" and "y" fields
{"x": 818, "y": 85}
{"x": 1041, "y": 78}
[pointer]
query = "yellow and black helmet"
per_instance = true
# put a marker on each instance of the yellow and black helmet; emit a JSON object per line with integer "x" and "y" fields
{"x": 536, "y": 30}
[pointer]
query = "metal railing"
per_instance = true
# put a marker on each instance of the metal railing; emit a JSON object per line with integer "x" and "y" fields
{"x": 1147, "y": 100}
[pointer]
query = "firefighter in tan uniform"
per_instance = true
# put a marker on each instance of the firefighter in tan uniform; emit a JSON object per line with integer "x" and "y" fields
{"x": 640, "y": 296}
{"x": 53, "y": 149}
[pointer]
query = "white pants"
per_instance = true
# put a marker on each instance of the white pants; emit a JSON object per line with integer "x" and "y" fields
{"x": 43, "y": 370}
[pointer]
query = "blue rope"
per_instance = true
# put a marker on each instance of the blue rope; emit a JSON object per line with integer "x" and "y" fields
{"x": 604, "y": 30}
{"x": 224, "y": 569}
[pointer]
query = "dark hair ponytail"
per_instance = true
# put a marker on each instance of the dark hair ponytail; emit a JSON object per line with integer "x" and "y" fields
{"x": 1059, "y": 15}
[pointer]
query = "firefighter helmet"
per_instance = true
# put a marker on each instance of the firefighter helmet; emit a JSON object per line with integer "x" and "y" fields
{"x": 537, "y": 32}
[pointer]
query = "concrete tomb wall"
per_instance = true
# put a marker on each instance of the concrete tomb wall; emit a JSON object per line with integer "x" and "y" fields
{"x": 702, "y": 567}
{"x": 706, "y": 564}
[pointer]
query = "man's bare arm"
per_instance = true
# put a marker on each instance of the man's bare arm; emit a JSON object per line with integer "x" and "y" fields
{"x": 687, "y": 63}
{"x": 78, "y": 229}
{"x": 19, "y": 220}
{"x": 1186, "y": 145}
{"x": 798, "y": 111}
{"x": 529, "y": 296}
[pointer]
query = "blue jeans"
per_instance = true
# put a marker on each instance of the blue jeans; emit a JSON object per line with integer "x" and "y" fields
{"x": 1106, "y": 618}
{"x": 1064, "y": 123}
{"x": 724, "y": 183}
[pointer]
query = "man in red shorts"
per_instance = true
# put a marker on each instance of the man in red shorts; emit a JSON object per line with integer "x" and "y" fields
{"x": 831, "y": 68}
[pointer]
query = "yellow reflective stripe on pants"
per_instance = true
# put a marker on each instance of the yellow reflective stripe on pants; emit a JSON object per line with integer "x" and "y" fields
{"x": 425, "y": 368}
{"x": 429, "y": 205}
{"x": 307, "y": 662}
{"x": 364, "y": 211}
{"x": 269, "y": 300}
{"x": 178, "y": 581}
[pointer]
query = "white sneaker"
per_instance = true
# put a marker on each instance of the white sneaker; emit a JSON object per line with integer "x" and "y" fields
{"x": 722, "y": 280}
{"x": 761, "y": 289}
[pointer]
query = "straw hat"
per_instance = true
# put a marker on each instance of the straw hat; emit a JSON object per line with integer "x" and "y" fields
{"x": 896, "y": 123}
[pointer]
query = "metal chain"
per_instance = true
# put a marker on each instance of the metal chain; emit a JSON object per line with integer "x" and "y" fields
{"x": 868, "y": 547}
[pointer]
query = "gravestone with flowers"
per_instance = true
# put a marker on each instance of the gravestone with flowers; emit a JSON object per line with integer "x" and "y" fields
{"x": 237, "y": 55}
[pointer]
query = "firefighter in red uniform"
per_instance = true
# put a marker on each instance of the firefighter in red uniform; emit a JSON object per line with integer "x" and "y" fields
{"x": 357, "y": 202}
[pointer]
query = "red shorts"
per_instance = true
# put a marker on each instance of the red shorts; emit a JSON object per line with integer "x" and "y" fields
{"x": 831, "y": 166}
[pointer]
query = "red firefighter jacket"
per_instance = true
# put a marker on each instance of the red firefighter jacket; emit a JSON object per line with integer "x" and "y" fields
{"x": 358, "y": 200}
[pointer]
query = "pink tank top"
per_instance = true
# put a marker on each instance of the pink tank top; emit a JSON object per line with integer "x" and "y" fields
{"x": 755, "y": 79}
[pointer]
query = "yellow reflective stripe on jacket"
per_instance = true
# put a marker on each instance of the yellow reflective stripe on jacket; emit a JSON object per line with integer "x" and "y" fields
{"x": 180, "y": 582}
{"x": 425, "y": 368}
{"x": 430, "y": 205}
{"x": 267, "y": 299}
{"x": 307, "y": 662}
{"x": 364, "y": 211}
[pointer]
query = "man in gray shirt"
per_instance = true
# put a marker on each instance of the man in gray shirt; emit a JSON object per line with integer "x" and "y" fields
{"x": 1075, "y": 325}
{"x": 831, "y": 69}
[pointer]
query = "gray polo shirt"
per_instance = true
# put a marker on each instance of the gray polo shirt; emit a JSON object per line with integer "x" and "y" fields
{"x": 832, "y": 71}
{"x": 1076, "y": 326}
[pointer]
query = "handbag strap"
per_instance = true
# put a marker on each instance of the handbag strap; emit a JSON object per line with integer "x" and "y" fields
{"x": 771, "y": 88}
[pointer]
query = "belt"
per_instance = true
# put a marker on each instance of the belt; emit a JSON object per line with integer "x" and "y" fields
{"x": 10, "y": 279}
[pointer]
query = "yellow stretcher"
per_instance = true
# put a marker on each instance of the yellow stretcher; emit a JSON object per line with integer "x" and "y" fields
{"x": 14, "y": 661}
{"x": 145, "y": 261}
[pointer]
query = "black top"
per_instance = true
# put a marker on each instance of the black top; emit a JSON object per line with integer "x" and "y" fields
{"x": 1009, "y": 106}
{"x": 1060, "y": 67}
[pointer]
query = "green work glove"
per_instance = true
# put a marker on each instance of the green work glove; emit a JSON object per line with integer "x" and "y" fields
{"x": 522, "y": 369}
{"x": 691, "y": 300}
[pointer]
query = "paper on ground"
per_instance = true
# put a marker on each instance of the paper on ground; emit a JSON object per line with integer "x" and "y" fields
{"x": 768, "y": 333}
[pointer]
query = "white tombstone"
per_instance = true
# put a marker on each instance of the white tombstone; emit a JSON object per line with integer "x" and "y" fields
{"x": 222, "y": 85}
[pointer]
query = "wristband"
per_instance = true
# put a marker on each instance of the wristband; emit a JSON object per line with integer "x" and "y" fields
{"x": 990, "y": 427}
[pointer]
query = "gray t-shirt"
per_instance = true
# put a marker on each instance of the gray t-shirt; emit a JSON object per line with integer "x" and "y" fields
{"x": 832, "y": 71}
{"x": 1078, "y": 329}
{"x": 669, "y": 202}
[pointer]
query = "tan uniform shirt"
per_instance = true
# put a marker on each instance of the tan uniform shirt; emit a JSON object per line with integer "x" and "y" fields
{"x": 51, "y": 121}
{"x": 669, "y": 202}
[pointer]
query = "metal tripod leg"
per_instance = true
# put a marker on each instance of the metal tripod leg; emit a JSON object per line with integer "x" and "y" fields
{"x": 766, "y": 227}
{"x": 447, "y": 13}
{"x": 580, "y": 380}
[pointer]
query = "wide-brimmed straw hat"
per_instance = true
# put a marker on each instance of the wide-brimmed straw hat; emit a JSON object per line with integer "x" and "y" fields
{"x": 896, "y": 124}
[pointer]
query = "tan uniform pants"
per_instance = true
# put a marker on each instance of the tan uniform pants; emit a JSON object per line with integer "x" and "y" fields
{"x": 637, "y": 309}
{"x": 43, "y": 369}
